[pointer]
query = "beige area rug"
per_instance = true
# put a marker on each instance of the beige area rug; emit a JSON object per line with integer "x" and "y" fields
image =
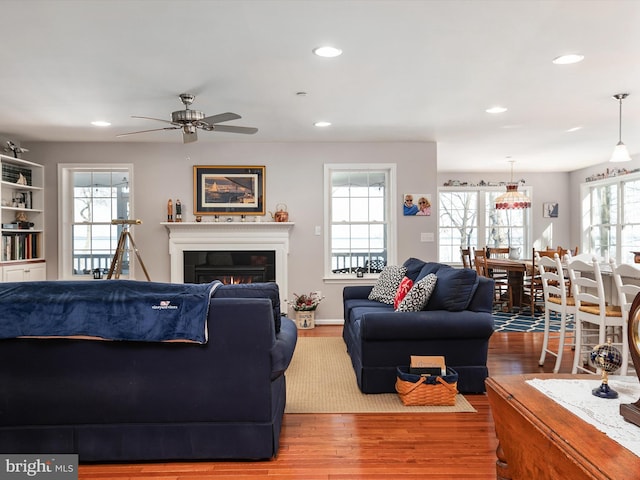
{"x": 321, "y": 379}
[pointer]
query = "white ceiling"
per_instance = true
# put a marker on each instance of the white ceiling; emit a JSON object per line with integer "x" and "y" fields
{"x": 410, "y": 71}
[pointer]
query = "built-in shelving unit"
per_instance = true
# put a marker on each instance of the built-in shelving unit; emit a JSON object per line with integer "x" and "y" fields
{"x": 22, "y": 255}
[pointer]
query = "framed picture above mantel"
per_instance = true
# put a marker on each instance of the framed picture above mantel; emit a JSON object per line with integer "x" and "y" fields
{"x": 228, "y": 190}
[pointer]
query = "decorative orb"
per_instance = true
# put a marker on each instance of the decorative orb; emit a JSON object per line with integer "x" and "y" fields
{"x": 606, "y": 357}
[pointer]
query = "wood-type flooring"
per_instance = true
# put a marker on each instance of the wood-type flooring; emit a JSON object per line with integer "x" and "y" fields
{"x": 370, "y": 446}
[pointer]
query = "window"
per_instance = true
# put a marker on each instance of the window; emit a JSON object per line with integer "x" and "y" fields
{"x": 611, "y": 217}
{"x": 359, "y": 215}
{"x": 90, "y": 197}
{"x": 468, "y": 218}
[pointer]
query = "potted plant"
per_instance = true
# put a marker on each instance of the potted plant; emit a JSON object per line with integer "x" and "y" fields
{"x": 305, "y": 306}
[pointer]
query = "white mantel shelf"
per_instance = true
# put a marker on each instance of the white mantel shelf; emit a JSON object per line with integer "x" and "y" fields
{"x": 229, "y": 236}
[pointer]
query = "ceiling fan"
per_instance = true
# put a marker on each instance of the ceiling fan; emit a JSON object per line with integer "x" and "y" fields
{"x": 190, "y": 120}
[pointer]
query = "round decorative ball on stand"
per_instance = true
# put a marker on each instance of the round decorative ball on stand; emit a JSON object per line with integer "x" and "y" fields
{"x": 609, "y": 359}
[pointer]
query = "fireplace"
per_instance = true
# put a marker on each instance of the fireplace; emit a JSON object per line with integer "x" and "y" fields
{"x": 230, "y": 239}
{"x": 229, "y": 267}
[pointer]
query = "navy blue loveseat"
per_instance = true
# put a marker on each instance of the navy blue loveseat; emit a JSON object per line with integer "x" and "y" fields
{"x": 125, "y": 401}
{"x": 457, "y": 322}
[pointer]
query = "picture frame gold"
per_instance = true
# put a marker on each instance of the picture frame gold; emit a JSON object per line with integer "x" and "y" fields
{"x": 229, "y": 190}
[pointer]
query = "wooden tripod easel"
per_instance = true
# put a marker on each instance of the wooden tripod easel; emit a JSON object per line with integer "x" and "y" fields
{"x": 116, "y": 263}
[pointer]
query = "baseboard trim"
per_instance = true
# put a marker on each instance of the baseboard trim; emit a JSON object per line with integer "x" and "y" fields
{"x": 329, "y": 321}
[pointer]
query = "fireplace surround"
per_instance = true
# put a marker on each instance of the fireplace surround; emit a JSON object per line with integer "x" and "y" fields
{"x": 227, "y": 238}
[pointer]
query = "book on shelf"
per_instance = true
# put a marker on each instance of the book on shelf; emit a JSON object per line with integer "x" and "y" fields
{"x": 19, "y": 246}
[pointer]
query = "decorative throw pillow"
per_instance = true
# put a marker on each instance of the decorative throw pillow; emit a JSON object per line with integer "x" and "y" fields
{"x": 403, "y": 289}
{"x": 384, "y": 290}
{"x": 418, "y": 296}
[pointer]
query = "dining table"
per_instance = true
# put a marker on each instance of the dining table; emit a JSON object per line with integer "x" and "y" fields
{"x": 516, "y": 270}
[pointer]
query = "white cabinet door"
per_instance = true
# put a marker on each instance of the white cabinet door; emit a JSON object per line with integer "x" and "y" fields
{"x": 24, "y": 273}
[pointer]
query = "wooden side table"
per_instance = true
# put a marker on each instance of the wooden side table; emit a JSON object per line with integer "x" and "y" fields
{"x": 540, "y": 439}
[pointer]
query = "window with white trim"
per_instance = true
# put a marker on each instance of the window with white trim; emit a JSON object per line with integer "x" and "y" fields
{"x": 468, "y": 218}
{"x": 611, "y": 217}
{"x": 91, "y": 196}
{"x": 359, "y": 219}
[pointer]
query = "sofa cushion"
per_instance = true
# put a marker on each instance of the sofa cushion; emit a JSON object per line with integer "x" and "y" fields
{"x": 403, "y": 289}
{"x": 454, "y": 290}
{"x": 254, "y": 290}
{"x": 413, "y": 266}
{"x": 418, "y": 296}
{"x": 384, "y": 290}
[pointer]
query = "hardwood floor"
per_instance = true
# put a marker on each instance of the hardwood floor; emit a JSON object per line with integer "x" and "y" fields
{"x": 370, "y": 446}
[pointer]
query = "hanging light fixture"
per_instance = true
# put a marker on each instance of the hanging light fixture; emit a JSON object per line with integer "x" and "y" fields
{"x": 512, "y": 199}
{"x": 620, "y": 153}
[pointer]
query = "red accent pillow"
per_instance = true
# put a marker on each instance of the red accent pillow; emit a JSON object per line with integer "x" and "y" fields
{"x": 403, "y": 289}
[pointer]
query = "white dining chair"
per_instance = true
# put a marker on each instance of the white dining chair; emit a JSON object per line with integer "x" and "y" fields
{"x": 593, "y": 317}
{"x": 627, "y": 280}
{"x": 559, "y": 308}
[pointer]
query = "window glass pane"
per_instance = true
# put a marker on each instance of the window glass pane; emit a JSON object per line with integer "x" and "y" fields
{"x": 358, "y": 220}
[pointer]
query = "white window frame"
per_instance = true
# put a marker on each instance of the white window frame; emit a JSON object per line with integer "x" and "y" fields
{"x": 65, "y": 212}
{"x": 618, "y": 217}
{"x": 481, "y": 224}
{"x": 390, "y": 217}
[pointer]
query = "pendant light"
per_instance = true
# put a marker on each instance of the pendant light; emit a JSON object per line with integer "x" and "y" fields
{"x": 512, "y": 199}
{"x": 620, "y": 153}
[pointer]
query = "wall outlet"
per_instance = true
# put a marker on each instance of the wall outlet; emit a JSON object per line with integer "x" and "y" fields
{"x": 318, "y": 230}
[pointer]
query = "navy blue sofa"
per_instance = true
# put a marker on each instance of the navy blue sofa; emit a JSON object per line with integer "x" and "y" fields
{"x": 457, "y": 322}
{"x": 125, "y": 401}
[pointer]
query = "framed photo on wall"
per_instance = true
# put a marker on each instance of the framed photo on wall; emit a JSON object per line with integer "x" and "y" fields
{"x": 550, "y": 210}
{"x": 418, "y": 204}
{"x": 228, "y": 190}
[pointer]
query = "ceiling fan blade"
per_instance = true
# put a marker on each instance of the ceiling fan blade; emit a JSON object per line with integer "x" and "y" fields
{"x": 145, "y": 131}
{"x": 190, "y": 137}
{"x": 234, "y": 129}
{"x": 221, "y": 117}
{"x": 156, "y": 119}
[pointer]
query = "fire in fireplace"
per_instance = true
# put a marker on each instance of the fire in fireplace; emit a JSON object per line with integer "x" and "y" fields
{"x": 229, "y": 267}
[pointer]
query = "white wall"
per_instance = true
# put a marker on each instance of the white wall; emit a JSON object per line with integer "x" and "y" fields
{"x": 547, "y": 187}
{"x": 294, "y": 176}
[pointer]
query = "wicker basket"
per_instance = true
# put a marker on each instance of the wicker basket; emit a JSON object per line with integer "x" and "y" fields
{"x": 432, "y": 390}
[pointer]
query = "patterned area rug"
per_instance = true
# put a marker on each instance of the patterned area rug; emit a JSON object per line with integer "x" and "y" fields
{"x": 522, "y": 322}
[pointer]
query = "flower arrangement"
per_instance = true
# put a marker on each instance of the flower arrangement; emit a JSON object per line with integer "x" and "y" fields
{"x": 304, "y": 302}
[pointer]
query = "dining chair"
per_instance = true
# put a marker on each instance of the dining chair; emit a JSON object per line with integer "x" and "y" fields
{"x": 532, "y": 284}
{"x": 563, "y": 251}
{"x": 503, "y": 294}
{"x": 558, "y": 302}
{"x": 467, "y": 257}
{"x": 594, "y": 318}
{"x": 627, "y": 280}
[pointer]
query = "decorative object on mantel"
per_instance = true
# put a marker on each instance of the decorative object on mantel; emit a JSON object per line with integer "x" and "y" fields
{"x": 178, "y": 211}
{"x": 281, "y": 214}
{"x": 170, "y": 211}
{"x": 305, "y": 306}
{"x": 228, "y": 190}
{"x": 607, "y": 358}
{"x": 631, "y": 411}
{"x": 620, "y": 152}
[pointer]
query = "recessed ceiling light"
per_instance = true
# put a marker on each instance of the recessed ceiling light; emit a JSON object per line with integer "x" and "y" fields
{"x": 327, "y": 51}
{"x": 496, "y": 110}
{"x": 568, "y": 59}
{"x": 322, "y": 124}
{"x": 100, "y": 123}
{"x": 574, "y": 129}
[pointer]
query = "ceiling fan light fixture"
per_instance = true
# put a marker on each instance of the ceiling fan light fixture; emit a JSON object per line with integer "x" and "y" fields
{"x": 620, "y": 152}
{"x": 327, "y": 51}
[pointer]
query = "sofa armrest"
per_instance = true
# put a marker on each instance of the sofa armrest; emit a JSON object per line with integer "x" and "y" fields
{"x": 283, "y": 348}
{"x": 432, "y": 324}
{"x": 357, "y": 291}
{"x": 482, "y": 300}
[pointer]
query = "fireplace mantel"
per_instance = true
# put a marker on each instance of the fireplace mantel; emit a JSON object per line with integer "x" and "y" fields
{"x": 238, "y": 236}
